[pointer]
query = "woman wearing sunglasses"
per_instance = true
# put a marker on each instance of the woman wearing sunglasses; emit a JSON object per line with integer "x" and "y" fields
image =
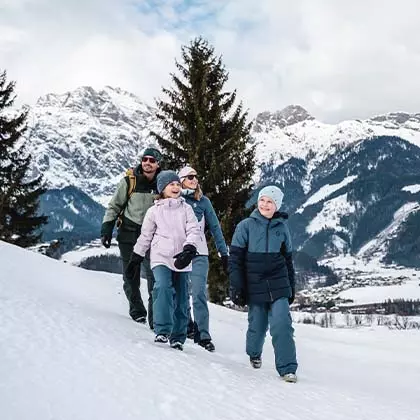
{"x": 206, "y": 216}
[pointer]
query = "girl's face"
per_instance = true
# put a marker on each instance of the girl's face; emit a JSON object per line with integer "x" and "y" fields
{"x": 190, "y": 182}
{"x": 266, "y": 207}
{"x": 172, "y": 190}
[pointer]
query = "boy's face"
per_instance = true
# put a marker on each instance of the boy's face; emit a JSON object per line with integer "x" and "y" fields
{"x": 172, "y": 190}
{"x": 266, "y": 207}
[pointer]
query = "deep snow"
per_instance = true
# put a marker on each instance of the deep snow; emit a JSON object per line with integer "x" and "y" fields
{"x": 69, "y": 351}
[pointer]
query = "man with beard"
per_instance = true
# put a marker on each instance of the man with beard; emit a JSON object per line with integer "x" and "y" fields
{"x": 133, "y": 197}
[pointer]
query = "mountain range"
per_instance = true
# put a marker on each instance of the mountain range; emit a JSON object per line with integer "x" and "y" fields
{"x": 351, "y": 187}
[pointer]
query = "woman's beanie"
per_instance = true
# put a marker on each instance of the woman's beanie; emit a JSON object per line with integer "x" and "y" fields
{"x": 164, "y": 178}
{"x": 185, "y": 171}
{"x": 273, "y": 192}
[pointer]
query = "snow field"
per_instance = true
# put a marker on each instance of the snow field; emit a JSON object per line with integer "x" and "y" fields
{"x": 68, "y": 350}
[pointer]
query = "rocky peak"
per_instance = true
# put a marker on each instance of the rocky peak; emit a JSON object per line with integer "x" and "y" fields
{"x": 88, "y": 137}
{"x": 290, "y": 115}
{"x": 107, "y": 101}
{"x": 398, "y": 118}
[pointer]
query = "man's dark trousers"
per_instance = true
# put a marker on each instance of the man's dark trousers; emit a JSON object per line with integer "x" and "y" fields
{"x": 132, "y": 286}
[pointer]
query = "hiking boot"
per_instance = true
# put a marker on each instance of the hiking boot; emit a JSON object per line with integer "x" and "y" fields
{"x": 140, "y": 319}
{"x": 256, "y": 362}
{"x": 191, "y": 329}
{"x": 177, "y": 345}
{"x": 161, "y": 339}
{"x": 290, "y": 377}
{"x": 207, "y": 344}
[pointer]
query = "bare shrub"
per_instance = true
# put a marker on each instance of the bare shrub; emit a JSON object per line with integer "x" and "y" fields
{"x": 401, "y": 322}
{"x": 369, "y": 319}
{"x": 380, "y": 320}
{"x": 358, "y": 320}
{"x": 324, "y": 322}
{"x": 349, "y": 320}
{"x": 414, "y": 325}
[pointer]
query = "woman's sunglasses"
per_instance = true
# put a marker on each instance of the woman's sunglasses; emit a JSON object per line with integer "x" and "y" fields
{"x": 191, "y": 177}
{"x": 149, "y": 159}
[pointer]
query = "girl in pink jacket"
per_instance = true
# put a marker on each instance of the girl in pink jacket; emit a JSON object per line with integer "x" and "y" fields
{"x": 171, "y": 231}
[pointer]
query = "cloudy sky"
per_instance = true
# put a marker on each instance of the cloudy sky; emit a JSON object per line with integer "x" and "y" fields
{"x": 339, "y": 59}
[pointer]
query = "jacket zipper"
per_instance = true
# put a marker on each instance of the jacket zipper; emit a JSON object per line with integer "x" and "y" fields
{"x": 266, "y": 250}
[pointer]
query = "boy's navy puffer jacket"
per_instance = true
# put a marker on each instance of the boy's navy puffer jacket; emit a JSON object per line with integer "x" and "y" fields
{"x": 260, "y": 262}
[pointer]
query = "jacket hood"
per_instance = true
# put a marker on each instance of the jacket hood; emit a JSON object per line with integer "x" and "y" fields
{"x": 170, "y": 202}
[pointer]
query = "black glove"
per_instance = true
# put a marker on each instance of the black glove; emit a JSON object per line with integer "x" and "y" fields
{"x": 106, "y": 233}
{"x": 133, "y": 267}
{"x": 106, "y": 241}
{"x": 292, "y": 298}
{"x": 225, "y": 263}
{"x": 237, "y": 297}
{"x": 184, "y": 258}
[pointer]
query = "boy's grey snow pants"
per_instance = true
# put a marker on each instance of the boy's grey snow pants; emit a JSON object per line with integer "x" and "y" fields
{"x": 276, "y": 316}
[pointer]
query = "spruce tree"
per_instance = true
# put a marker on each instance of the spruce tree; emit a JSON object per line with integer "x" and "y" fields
{"x": 202, "y": 127}
{"x": 19, "y": 196}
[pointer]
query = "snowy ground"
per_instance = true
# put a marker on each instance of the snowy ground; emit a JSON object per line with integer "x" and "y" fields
{"x": 69, "y": 351}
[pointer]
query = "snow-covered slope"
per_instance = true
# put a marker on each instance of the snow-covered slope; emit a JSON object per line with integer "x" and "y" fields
{"x": 377, "y": 246}
{"x": 69, "y": 351}
{"x": 380, "y": 294}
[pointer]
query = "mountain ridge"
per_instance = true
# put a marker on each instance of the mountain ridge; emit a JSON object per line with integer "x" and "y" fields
{"x": 87, "y": 138}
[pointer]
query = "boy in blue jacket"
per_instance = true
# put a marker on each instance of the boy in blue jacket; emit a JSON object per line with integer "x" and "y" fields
{"x": 261, "y": 275}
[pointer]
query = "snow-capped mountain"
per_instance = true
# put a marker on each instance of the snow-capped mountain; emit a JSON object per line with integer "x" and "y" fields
{"x": 294, "y": 133}
{"x": 87, "y": 138}
{"x": 349, "y": 186}
{"x": 363, "y": 199}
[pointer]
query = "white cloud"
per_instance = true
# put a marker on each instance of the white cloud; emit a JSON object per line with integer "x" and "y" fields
{"x": 337, "y": 59}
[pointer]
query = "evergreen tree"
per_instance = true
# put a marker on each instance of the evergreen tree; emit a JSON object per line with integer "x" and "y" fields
{"x": 204, "y": 128}
{"x": 19, "y": 197}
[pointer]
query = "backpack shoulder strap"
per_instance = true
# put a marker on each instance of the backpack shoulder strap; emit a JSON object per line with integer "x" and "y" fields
{"x": 131, "y": 180}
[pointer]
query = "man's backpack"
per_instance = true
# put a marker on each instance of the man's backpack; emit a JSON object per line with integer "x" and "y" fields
{"x": 131, "y": 181}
